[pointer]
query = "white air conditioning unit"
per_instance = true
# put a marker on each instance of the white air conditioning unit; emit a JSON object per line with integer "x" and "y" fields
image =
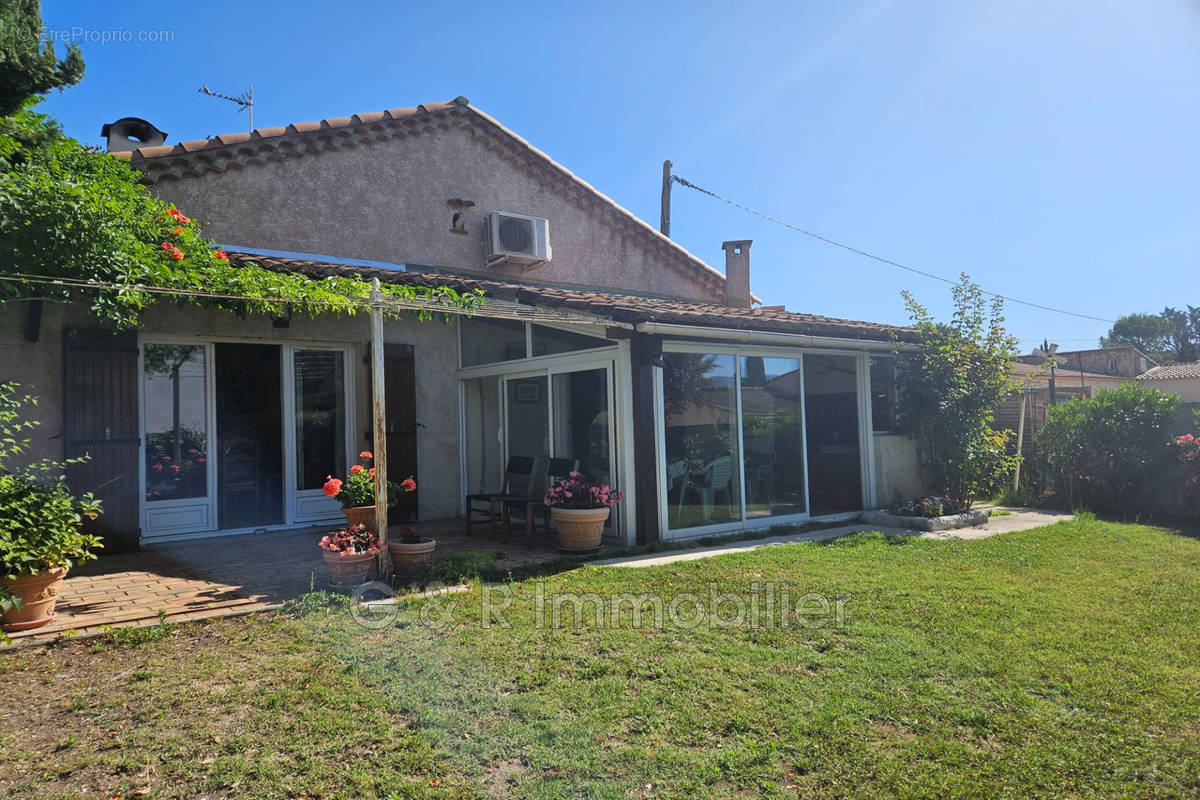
{"x": 517, "y": 239}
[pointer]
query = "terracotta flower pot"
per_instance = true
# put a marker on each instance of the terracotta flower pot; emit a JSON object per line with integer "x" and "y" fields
{"x": 403, "y": 554}
{"x": 348, "y": 569}
{"x": 38, "y": 595}
{"x": 360, "y": 515}
{"x": 579, "y": 529}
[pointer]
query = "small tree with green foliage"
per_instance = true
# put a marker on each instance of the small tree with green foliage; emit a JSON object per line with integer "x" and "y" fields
{"x": 1100, "y": 452}
{"x": 949, "y": 389}
{"x": 28, "y": 66}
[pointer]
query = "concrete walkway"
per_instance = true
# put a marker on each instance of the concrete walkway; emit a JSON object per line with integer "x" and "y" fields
{"x": 1017, "y": 519}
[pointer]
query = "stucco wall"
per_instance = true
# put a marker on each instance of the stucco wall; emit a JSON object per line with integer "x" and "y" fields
{"x": 897, "y": 469}
{"x": 387, "y": 201}
{"x": 38, "y": 367}
{"x": 1188, "y": 389}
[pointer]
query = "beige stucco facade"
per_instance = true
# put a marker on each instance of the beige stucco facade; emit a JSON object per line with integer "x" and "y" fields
{"x": 394, "y": 201}
{"x": 38, "y": 367}
{"x": 1188, "y": 389}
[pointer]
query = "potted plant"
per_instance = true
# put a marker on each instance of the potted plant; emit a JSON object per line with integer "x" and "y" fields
{"x": 349, "y": 554}
{"x": 410, "y": 547}
{"x": 40, "y": 524}
{"x": 356, "y": 492}
{"x": 579, "y": 509}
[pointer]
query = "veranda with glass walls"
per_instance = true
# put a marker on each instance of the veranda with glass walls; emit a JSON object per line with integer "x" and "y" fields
{"x": 757, "y": 436}
{"x": 547, "y": 392}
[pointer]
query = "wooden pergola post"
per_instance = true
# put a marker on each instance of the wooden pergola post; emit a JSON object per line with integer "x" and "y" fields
{"x": 1020, "y": 443}
{"x": 379, "y": 430}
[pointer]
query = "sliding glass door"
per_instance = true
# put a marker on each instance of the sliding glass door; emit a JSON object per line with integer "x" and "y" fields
{"x": 754, "y": 434}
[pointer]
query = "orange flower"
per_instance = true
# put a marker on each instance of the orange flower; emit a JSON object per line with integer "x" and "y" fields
{"x": 357, "y": 468}
{"x": 178, "y": 230}
{"x": 332, "y": 486}
{"x": 177, "y": 215}
{"x": 365, "y": 454}
{"x": 220, "y": 255}
{"x": 176, "y": 254}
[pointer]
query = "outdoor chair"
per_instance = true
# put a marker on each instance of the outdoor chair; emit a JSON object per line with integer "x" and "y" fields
{"x": 532, "y": 506}
{"x": 517, "y": 476}
{"x": 714, "y": 478}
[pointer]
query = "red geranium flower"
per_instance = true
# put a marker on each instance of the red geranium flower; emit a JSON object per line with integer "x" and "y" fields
{"x": 408, "y": 485}
{"x": 357, "y": 468}
{"x": 365, "y": 454}
{"x": 332, "y": 486}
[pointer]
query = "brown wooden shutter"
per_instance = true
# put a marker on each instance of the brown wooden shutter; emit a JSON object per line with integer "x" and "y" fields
{"x": 100, "y": 420}
{"x": 400, "y": 396}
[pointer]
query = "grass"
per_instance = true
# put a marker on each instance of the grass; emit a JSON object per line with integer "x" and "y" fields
{"x": 1058, "y": 662}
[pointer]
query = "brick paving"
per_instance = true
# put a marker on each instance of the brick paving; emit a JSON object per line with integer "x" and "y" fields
{"x": 228, "y": 575}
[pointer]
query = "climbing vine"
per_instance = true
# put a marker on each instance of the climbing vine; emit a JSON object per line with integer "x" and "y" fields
{"x": 72, "y": 214}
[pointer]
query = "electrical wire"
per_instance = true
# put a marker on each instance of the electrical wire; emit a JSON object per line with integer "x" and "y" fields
{"x": 880, "y": 259}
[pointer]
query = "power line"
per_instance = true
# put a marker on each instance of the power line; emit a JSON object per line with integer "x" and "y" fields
{"x": 872, "y": 256}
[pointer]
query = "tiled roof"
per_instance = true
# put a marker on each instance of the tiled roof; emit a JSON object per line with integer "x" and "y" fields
{"x": 240, "y": 150}
{"x": 623, "y": 308}
{"x": 1064, "y": 373}
{"x": 1172, "y": 372}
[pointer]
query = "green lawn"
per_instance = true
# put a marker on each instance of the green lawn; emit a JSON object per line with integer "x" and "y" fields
{"x": 1059, "y": 662}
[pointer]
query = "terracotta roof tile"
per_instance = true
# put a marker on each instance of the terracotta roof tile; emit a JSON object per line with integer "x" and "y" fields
{"x": 1172, "y": 372}
{"x": 617, "y": 307}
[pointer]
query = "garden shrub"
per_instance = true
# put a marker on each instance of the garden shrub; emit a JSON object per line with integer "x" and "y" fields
{"x": 1105, "y": 452}
{"x": 949, "y": 388}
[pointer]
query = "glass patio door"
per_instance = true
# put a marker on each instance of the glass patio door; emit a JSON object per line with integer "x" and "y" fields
{"x": 178, "y": 474}
{"x": 318, "y": 397}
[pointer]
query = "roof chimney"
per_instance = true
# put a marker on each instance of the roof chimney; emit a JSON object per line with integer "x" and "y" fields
{"x": 130, "y": 133}
{"x": 737, "y": 273}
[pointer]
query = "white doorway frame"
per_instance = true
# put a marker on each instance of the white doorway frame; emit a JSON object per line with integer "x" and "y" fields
{"x": 300, "y": 507}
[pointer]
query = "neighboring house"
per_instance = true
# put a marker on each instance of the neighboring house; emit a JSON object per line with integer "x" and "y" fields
{"x": 1180, "y": 379}
{"x": 1124, "y": 362}
{"x": 610, "y": 344}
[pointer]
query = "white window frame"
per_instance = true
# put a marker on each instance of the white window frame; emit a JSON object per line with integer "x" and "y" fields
{"x": 866, "y": 436}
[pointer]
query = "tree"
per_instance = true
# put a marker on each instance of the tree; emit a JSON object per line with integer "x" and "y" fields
{"x": 27, "y": 66}
{"x": 1169, "y": 336}
{"x": 1147, "y": 332}
{"x": 948, "y": 390}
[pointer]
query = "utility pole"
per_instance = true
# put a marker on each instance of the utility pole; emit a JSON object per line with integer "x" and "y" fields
{"x": 664, "y": 223}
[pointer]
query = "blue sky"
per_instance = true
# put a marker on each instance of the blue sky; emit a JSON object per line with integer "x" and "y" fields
{"x": 1048, "y": 148}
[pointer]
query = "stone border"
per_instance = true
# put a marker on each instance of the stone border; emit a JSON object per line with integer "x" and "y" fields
{"x": 967, "y": 519}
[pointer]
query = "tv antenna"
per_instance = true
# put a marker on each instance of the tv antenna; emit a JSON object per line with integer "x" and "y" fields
{"x": 245, "y": 100}
{"x": 1049, "y": 352}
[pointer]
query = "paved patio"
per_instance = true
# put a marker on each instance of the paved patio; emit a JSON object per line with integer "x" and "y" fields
{"x": 224, "y": 576}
